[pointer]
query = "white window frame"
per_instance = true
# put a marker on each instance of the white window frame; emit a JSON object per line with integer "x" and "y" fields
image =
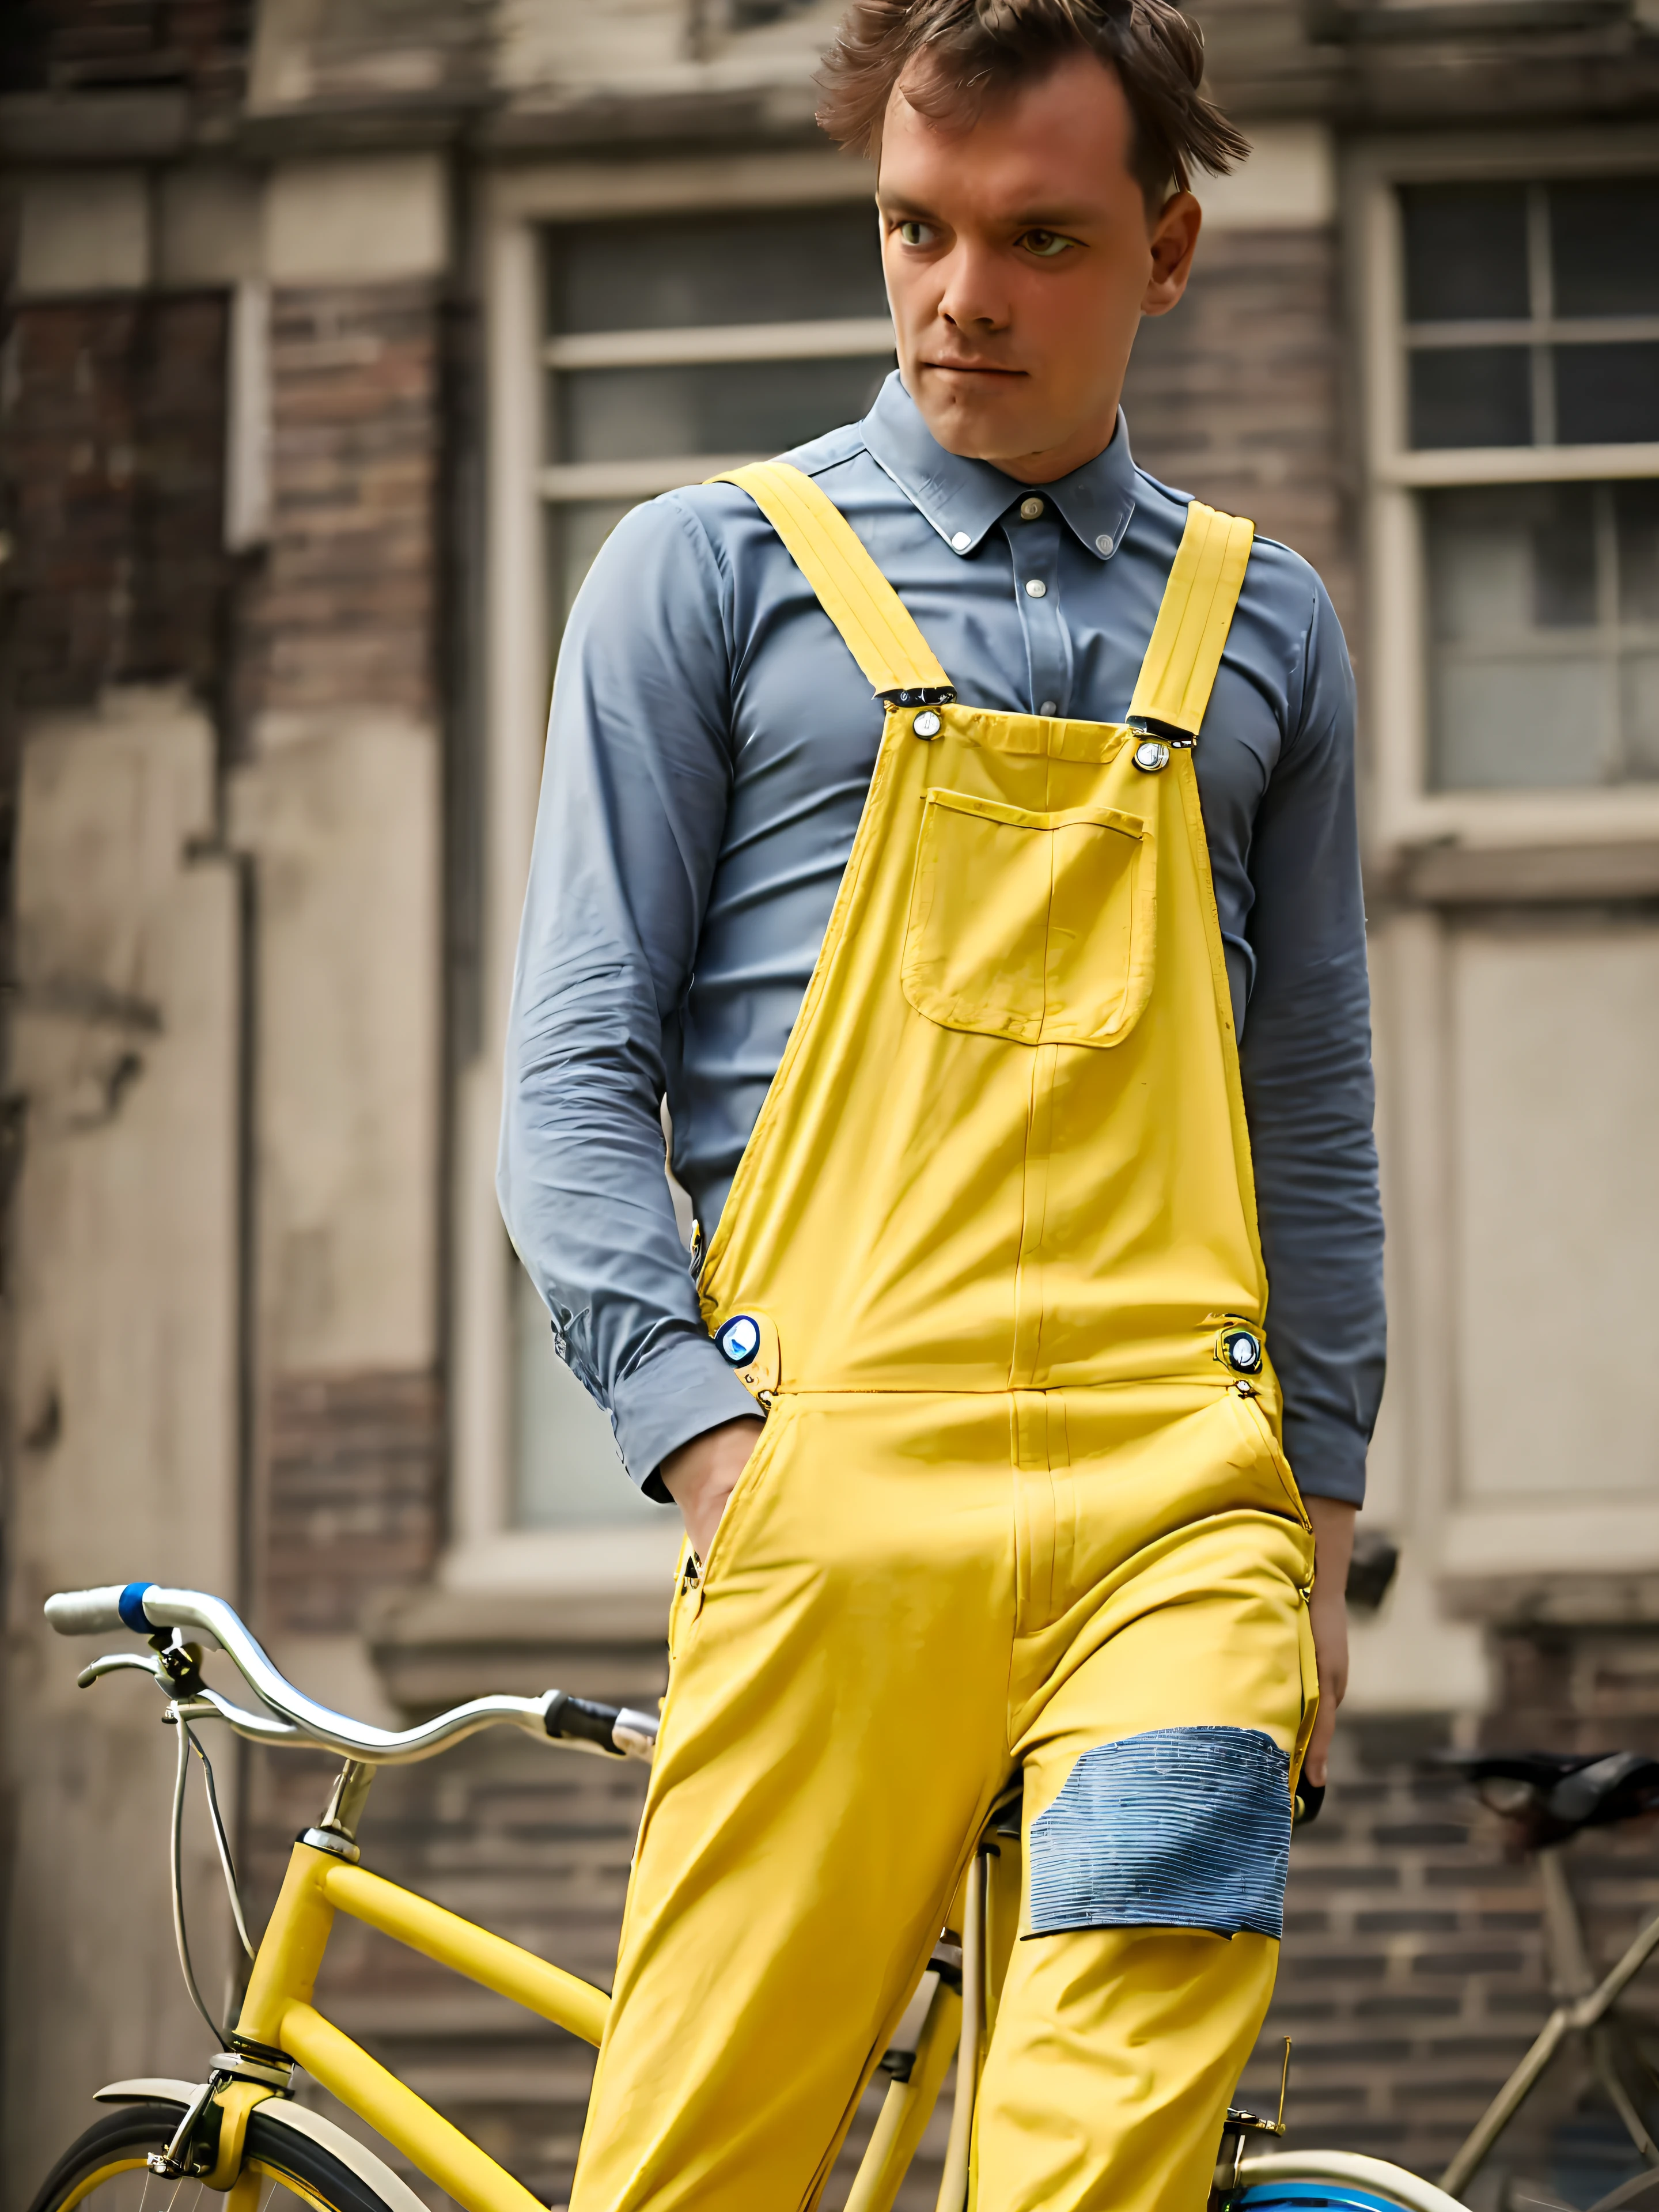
{"x": 486, "y": 1552}
{"x": 1460, "y": 1548}
{"x": 1405, "y": 813}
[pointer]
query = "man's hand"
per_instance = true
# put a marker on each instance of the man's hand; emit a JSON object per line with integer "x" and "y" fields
{"x": 1332, "y": 1527}
{"x": 701, "y": 1476}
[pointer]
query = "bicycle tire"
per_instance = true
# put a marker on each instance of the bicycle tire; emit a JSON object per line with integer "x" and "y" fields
{"x": 1332, "y": 2181}
{"x": 105, "y": 2170}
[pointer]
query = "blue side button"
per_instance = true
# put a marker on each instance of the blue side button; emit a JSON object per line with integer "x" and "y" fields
{"x": 739, "y": 1339}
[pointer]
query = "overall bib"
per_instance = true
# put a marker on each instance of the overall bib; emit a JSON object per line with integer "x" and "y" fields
{"x": 990, "y": 1263}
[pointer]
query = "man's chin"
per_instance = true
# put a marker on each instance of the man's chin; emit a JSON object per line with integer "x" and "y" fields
{"x": 981, "y": 431}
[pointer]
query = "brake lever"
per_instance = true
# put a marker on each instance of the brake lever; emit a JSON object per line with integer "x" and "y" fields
{"x": 113, "y": 1663}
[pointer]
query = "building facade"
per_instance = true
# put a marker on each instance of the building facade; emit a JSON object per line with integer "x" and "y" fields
{"x": 336, "y": 337}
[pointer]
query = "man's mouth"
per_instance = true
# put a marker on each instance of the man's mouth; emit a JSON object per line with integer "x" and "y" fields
{"x": 973, "y": 369}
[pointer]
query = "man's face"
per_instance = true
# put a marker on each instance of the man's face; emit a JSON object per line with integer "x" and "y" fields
{"x": 1020, "y": 257}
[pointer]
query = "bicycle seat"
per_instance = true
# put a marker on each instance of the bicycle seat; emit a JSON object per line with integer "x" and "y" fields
{"x": 1552, "y": 1794}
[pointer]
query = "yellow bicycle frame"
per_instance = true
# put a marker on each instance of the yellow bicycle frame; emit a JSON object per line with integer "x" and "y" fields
{"x": 277, "y": 2013}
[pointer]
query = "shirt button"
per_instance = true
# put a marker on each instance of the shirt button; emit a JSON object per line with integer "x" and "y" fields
{"x": 1030, "y": 509}
{"x": 962, "y": 541}
{"x": 1104, "y": 543}
{"x": 1036, "y": 589}
{"x": 1049, "y": 706}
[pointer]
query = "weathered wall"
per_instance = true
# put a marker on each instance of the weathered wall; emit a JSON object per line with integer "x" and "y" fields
{"x": 226, "y": 1052}
{"x": 337, "y": 799}
{"x": 122, "y": 1414}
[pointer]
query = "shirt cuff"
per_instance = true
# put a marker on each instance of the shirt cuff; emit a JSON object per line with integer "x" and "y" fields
{"x": 686, "y": 1389}
{"x": 1327, "y": 1457}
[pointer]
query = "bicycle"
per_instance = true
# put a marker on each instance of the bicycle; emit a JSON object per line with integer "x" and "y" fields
{"x": 1548, "y": 1798}
{"x": 241, "y": 2133}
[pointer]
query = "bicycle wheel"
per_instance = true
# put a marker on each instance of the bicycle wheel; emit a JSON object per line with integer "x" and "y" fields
{"x": 105, "y": 2171}
{"x": 1332, "y": 2181}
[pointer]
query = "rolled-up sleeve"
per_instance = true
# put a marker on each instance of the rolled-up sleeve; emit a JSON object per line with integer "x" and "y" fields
{"x": 633, "y": 798}
{"x": 1307, "y": 1085}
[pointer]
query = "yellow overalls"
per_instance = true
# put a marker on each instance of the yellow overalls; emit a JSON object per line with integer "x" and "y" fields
{"x": 990, "y": 1261}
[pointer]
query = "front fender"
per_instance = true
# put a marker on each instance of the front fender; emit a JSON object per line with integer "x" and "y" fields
{"x": 280, "y": 2113}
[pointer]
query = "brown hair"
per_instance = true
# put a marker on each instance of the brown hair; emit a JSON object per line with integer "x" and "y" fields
{"x": 970, "y": 53}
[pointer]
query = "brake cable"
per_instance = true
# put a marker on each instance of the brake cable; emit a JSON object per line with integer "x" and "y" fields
{"x": 179, "y": 1938}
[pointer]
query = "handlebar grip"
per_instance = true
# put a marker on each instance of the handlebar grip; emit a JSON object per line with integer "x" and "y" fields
{"x": 583, "y": 1720}
{"x": 99, "y": 1612}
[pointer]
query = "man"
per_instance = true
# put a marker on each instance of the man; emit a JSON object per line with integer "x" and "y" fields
{"x": 989, "y": 1026}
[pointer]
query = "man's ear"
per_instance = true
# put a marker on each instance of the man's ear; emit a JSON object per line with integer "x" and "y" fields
{"x": 1173, "y": 241}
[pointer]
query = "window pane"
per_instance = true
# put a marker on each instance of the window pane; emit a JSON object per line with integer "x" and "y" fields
{"x": 1605, "y": 395}
{"x": 566, "y": 1470}
{"x": 1520, "y": 687}
{"x": 1500, "y": 725}
{"x": 1636, "y": 510}
{"x": 1604, "y": 247}
{"x": 802, "y": 266}
{"x": 724, "y": 407}
{"x": 1471, "y": 395}
{"x": 1465, "y": 252}
{"x": 1506, "y": 560}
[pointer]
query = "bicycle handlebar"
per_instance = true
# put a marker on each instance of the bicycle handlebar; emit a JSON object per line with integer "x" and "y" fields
{"x": 147, "y": 1609}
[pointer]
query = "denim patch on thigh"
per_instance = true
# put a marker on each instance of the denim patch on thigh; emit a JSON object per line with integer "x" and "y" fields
{"x": 1180, "y": 1827}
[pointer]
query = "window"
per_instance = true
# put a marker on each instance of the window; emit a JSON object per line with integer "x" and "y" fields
{"x": 676, "y": 348}
{"x": 1531, "y": 312}
{"x": 1515, "y": 435}
{"x": 673, "y": 347}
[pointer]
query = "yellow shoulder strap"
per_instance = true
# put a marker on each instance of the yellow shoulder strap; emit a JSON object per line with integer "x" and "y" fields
{"x": 858, "y": 598}
{"x": 1173, "y": 685}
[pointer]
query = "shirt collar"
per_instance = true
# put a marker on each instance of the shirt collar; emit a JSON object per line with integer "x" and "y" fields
{"x": 963, "y": 498}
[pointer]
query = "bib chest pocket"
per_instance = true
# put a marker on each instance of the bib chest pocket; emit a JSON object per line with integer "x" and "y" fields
{"x": 1036, "y": 927}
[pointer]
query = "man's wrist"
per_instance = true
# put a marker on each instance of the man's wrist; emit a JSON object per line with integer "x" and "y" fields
{"x": 701, "y": 1476}
{"x": 1333, "y": 1520}
{"x": 686, "y": 1389}
{"x": 708, "y": 1454}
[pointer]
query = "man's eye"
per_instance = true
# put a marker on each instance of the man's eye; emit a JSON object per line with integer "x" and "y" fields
{"x": 1045, "y": 244}
{"x": 917, "y": 234}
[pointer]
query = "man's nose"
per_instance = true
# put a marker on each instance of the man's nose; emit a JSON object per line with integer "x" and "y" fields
{"x": 972, "y": 299}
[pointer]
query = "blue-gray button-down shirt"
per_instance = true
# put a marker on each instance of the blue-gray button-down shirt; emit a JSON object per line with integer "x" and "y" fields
{"x": 711, "y": 745}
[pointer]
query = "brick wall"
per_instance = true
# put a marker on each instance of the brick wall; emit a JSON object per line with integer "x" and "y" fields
{"x": 353, "y": 1495}
{"x": 113, "y": 487}
{"x": 102, "y": 45}
{"x": 1234, "y": 395}
{"x": 344, "y": 611}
